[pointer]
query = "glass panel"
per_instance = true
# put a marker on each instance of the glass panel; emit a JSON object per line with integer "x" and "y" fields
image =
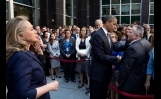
{"x": 38, "y": 3}
{"x": 125, "y": 1}
{"x": 125, "y": 19}
{"x": 75, "y": 21}
{"x": 22, "y": 10}
{"x": 105, "y": 10}
{"x": 7, "y": 11}
{"x": 68, "y": 21}
{"x": 136, "y": 1}
{"x": 68, "y": 7}
{"x": 104, "y": 2}
{"x": 125, "y": 9}
{"x": 151, "y": 8}
{"x": 74, "y": 8}
{"x": 151, "y": 21}
{"x": 151, "y": 0}
{"x": 38, "y": 15}
{"x": 27, "y": 2}
{"x": 88, "y": 11}
{"x": 115, "y": 1}
{"x": 115, "y": 10}
{"x": 118, "y": 19}
{"x": 135, "y": 18}
{"x": 135, "y": 9}
{"x": 103, "y": 18}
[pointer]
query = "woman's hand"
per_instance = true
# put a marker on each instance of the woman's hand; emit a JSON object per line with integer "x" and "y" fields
{"x": 38, "y": 49}
{"x": 113, "y": 66}
{"x": 53, "y": 85}
{"x": 147, "y": 85}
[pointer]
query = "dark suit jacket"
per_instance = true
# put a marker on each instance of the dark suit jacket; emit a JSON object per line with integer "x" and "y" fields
{"x": 133, "y": 70}
{"x": 101, "y": 66}
{"x": 24, "y": 74}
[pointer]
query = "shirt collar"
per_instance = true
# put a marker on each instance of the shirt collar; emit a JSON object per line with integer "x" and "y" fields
{"x": 132, "y": 42}
{"x": 105, "y": 31}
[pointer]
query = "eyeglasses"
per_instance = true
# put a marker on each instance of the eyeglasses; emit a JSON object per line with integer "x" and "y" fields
{"x": 113, "y": 36}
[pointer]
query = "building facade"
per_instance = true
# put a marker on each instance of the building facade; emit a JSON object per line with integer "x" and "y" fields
{"x": 55, "y": 13}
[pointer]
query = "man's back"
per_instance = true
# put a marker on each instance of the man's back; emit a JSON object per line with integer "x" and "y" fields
{"x": 133, "y": 69}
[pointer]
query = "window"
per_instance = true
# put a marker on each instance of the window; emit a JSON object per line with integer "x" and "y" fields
{"x": 125, "y": 19}
{"x": 105, "y": 10}
{"x": 151, "y": 21}
{"x": 27, "y": 2}
{"x": 104, "y": 2}
{"x": 125, "y": 9}
{"x": 68, "y": 7}
{"x": 68, "y": 21}
{"x": 136, "y": 1}
{"x": 38, "y": 3}
{"x": 125, "y": 1}
{"x": 115, "y": 9}
{"x": 38, "y": 15}
{"x": 135, "y": 18}
{"x": 115, "y": 1}
{"x": 7, "y": 11}
{"x": 135, "y": 9}
{"x": 118, "y": 19}
{"x": 74, "y": 7}
{"x": 151, "y": 0}
{"x": 22, "y": 10}
{"x": 152, "y": 8}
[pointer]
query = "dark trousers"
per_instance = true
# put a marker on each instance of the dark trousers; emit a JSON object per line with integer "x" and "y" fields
{"x": 69, "y": 70}
{"x": 98, "y": 90}
{"x": 48, "y": 64}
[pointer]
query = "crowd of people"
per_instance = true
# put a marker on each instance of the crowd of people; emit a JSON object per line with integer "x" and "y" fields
{"x": 121, "y": 55}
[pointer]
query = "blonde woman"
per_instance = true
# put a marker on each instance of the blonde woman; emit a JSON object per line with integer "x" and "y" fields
{"x": 24, "y": 72}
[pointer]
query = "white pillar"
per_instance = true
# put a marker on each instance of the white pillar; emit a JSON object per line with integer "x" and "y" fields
{"x": 72, "y": 14}
{"x": 64, "y": 17}
{"x": 11, "y": 9}
{"x": 36, "y": 13}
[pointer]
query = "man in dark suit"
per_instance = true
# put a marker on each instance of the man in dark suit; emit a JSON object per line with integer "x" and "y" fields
{"x": 101, "y": 66}
{"x": 133, "y": 67}
{"x": 77, "y": 32}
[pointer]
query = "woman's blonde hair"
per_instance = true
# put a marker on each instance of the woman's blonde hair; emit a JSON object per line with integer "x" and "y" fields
{"x": 14, "y": 28}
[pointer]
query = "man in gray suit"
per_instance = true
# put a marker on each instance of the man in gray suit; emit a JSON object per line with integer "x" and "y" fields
{"x": 133, "y": 66}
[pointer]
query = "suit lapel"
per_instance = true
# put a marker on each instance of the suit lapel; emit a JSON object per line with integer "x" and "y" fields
{"x": 34, "y": 57}
{"x": 105, "y": 36}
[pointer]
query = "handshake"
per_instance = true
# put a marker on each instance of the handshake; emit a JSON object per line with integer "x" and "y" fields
{"x": 118, "y": 59}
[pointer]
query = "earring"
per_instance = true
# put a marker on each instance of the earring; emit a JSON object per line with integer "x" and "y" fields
{"x": 23, "y": 39}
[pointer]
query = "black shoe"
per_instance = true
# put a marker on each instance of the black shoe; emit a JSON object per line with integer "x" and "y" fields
{"x": 80, "y": 86}
{"x": 66, "y": 81}
{"x": 58, "y": 76}
{"x": 53, "y": 79}
{"x": 87, "y": 93}
{"x": 73, "y": 81}
{"x": 62, "y": 71}
{"x": 87, "y": 88}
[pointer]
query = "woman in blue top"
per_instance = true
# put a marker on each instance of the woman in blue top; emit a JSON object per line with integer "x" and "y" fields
{"x": 150, "y": 70}
{"x": 116, "y": 67}
{"x": 67, "y": 51}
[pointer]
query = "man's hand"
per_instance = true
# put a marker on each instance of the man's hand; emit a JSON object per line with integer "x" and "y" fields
{"x": 118, "y": 59}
